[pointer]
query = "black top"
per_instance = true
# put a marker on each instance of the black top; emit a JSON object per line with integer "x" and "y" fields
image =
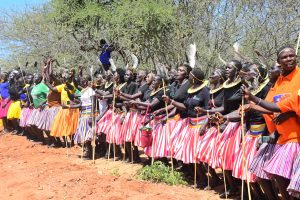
{"x": 255, "y": 117}
{"x": 232, "y": 98}
{"x": 158, "y": 96}
{"x": 181, "y": 94}
{"x": 217, "y": 97}
{"x": 130, "y": 88}
{"x": 197, "y": 99}
{"x": 143, "y": 89}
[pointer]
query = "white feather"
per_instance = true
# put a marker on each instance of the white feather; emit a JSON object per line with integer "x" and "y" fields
{"x": 92, "y": 70}
{"x": 135, "y": 61}
{"x": 112, "y": 64}
{"x": 236, "y": 47}
{"x": 222, "y": 60}
{"x": 191, "y": 54}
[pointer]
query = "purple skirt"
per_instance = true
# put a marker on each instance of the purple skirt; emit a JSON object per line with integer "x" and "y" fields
{"x": 281, "y": 164}
{"x": 25, "y": 114}
{"x": 47, "y": 118}
{"x": 294, "y": 187}
{"x": 84, "y": 131}
{"x": 262, "y": 156}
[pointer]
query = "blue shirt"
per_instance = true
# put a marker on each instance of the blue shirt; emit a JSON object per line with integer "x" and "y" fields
{"x": 105, "y": 56}
{"x": 4, "y": 90}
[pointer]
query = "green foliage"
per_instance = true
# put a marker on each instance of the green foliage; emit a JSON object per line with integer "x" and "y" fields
{"x": 158, "y": 172}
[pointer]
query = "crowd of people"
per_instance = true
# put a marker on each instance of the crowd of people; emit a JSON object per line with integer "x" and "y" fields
{"x": 243, "y": 119}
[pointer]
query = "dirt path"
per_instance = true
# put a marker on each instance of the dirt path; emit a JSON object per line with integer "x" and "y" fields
{"x": 32, "y": 171}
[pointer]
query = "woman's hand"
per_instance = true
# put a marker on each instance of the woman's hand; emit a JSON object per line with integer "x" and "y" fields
{"x": 200, "y": 110}
{"x": 246, "y": 92}
{"x": 166, "y": 99}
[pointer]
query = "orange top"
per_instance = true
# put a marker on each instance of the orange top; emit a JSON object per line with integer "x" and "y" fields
{"x": 289, "y": 130}
{"x": 291, "y": 104}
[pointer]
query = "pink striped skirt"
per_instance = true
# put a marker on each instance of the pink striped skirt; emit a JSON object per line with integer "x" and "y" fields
{"x": 3, "y": 111}
{"x": 294, "y": 187}
{"x": 207, "y": 149}
{"x": 228, "y": 145}
{"x": 25, "y": 114}
{"x": 138, "y": 135}
{"x": 189, "y": 140}
{"x": 157, "y": 127}
{"x": 281, "y": 164}
{"x": 245, "y": 158}
{"x": 84, "y": 131}
{"x": 130, "y": 126}
{"x": 113, "y": 136}
{"x": 104, "y": 124}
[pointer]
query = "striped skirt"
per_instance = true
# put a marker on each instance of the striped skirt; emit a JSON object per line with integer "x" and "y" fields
{"x": 157, "y": 127}
{"x": 207, "y": 148}
{"x": 36, "y": 116}
{"x": 281, "y": 164}
{"x": 262, "y": 156}
{"x": 113, "y": 136}
{"x": 84, "y": 130}
{"x": 228, "y": 145}
{"x": 294, "y": 187}
{"x": 65, "y": 123}
{"x": 25, "y": 114}
{"x": 188, "y": 141}
{"x": 130, "y": 126}
{"x": 246, "y": 156}
{"x": 104, "y": 124}
{"x": 138, "y": 135}
{"x": 47, "y": 118}
{"x": 3, "y": 111}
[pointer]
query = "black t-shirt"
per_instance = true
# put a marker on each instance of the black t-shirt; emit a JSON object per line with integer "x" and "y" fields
{"x": 232, "y": 98}
{"x": 197, "y": 99}
{"x": 158, "y": 95}
{"x": 143, "y": 89}
{"x": 254, "y": 116}
{"x": 217, "y": 97}
{"x": 181, "y": 92}
{"x": 130, "y": 88}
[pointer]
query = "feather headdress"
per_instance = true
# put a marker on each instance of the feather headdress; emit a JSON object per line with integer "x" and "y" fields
{"x": 112, "y": 64}
{"x": 161, "y": 70}
{"x": 191, "y": 55}
{"x": 135, "y": 61}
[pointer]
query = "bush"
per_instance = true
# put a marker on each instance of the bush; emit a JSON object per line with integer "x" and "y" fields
{"x": 158, "y": 172}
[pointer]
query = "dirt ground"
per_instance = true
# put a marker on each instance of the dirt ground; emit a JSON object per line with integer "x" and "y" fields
{"x": 32, "y": 171}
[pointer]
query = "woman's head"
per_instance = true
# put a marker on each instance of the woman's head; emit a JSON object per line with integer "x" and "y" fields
{"x": 37, "y": 78}
{"x": 255, "y": 74}
{"x": 141, "y": 76}
{"x": 218, "y": 76}
{"x": 150, "y": 77}
{"x": 274, "y": 72}
{"x": 159, "y": 82}
{"x": 196, "y": 76}
{"x": 85, "y": 80}
{"x": 232, "y": 69}
{"x": 183, "y": 72}
{"x": 128, "y": 77}
{"x": 29, "y": 79}
{"x": 119, "y": 75}
{"x": 287, "y": 59}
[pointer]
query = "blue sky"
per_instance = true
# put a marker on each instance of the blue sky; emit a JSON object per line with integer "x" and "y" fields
{"x": 19, "y": 4}
{"x": 16, "y": 5}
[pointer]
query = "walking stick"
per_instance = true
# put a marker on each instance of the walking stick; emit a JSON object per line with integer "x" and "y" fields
{"x": 195, "y": 165}
{"x": 167, "y": 127}
{"x": 112, "y": 124}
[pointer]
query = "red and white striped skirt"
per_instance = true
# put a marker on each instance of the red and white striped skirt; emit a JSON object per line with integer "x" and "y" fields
{"x": 104, "y": 124}
{"x": 294, "y": 187}
{"x": 114, "y": 136}
{"x": 228, "y": 145}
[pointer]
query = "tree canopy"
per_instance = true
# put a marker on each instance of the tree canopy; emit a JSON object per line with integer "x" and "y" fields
{"x": 154, "y": 30}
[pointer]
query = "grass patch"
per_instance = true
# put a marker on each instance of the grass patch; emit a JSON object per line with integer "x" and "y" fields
{"x": 160, "y": 173}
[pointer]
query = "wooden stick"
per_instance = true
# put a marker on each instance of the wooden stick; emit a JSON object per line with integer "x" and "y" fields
{"x": 167, "y": 127}
{"x": 112, "y": 124}
{"x": 223, "y": 171}
{"x": 195, "y": 160}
